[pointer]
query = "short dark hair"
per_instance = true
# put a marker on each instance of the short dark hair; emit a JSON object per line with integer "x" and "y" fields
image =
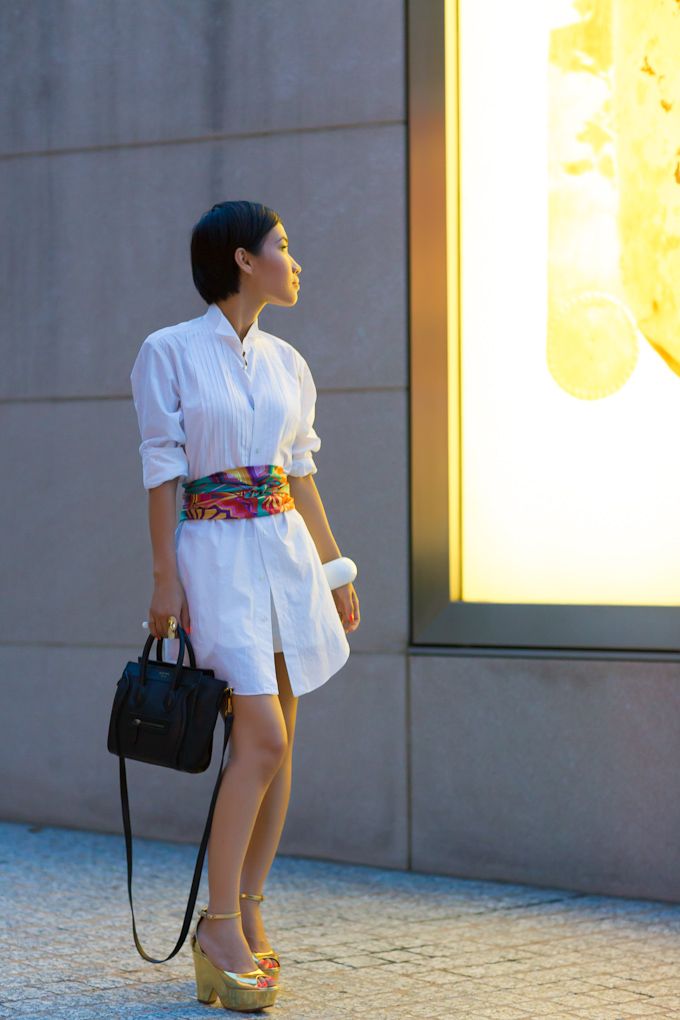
{"x": 215, "y": 238}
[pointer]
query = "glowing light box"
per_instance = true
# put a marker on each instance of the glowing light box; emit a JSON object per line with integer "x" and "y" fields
{"x": 544, "y": 258}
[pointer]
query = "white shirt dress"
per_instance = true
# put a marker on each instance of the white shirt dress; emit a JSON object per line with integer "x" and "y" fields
{"x": 206, "y": 402}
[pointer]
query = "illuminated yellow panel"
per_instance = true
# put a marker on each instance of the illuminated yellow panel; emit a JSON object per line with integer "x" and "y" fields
{"x": 563, "y": 201}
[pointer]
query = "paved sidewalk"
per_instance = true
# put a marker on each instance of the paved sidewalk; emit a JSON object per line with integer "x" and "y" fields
{"x": 355, "y": 942}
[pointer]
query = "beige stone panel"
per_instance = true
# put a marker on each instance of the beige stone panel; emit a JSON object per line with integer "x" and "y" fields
{"x": 553, "y": 772}
{"x": 87, "y": 74}
{"x": 97, "y": 254}
{"x": 363, "y": 481}
{"x": 349, "y": 796}
{"x": 54, "y": 761}
{"x": 78, "y": 568}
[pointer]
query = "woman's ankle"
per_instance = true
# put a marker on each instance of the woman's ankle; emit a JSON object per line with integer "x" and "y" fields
{"x": 221, "y": 925}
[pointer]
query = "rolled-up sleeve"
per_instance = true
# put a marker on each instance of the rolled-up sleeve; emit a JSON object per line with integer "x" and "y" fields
{"x": 306, "y": 441}
{"x": 159, "y": 413}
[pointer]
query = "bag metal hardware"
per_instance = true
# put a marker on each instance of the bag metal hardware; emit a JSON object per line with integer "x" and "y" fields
{"x": 226, "y": 708}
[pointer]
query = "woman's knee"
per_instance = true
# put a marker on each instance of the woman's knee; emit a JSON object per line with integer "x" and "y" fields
{"x": 273, "y": 748}
{"x": 259, "y": 733}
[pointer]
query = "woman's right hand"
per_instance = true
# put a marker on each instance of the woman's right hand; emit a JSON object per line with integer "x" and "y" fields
{"x": 168, "y": 599}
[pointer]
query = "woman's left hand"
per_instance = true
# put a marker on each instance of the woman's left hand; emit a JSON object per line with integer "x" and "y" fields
{"x": 347, "y": 601}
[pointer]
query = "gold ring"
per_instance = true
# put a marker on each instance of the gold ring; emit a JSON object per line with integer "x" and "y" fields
{"x": 172, "y": 627}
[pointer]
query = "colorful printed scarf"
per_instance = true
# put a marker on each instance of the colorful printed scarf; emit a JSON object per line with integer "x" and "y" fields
{"x": 238, "y": 492}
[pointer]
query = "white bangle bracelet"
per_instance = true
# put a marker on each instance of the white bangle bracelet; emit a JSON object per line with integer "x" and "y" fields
{"x": 340, "y": 571}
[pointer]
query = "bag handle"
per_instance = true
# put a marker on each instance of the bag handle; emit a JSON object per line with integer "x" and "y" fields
{"x": 228, "y": 719}
{"x": 179, "y": 665}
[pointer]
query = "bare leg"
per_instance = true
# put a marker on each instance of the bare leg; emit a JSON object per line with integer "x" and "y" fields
{"x": 270, "y": 820}
{"x": 257, "y": 747}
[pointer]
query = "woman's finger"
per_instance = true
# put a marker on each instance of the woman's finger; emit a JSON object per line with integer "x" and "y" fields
{"x": 349, "y": 620}
{"x": 354, "y": 611}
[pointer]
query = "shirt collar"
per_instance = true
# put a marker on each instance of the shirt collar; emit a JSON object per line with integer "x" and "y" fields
{"x": 217, "y": 320}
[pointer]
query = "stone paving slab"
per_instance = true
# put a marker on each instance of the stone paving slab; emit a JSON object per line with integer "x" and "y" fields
{"x": 355, "y": 942}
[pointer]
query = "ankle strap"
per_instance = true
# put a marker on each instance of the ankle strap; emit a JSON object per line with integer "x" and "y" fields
{"x": 214, "y": 917}
{"x": 252, "y": 896}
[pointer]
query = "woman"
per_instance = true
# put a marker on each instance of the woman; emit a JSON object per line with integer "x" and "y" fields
{"x": 230, "y": 407}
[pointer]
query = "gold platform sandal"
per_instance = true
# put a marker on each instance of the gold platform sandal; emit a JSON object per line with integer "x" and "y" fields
{"x": 248, "y": 991}
{"x": 270, "y": 959}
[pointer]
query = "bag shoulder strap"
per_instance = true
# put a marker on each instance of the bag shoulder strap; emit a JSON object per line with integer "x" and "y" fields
{"x": 228, "y": 719}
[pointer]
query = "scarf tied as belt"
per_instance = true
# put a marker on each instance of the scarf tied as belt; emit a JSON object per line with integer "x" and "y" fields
{"x": 237, "y": 492}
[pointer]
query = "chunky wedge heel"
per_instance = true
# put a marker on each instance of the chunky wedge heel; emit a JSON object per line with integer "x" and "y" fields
{"x": 247, "y": 991}
{"x": 269, "y": 959}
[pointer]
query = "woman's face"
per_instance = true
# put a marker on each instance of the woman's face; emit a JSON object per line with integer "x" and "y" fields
{"x": 275, "y": 271}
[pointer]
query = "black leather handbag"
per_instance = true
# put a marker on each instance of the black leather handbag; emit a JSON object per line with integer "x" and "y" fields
{"x": 164, "y": 713}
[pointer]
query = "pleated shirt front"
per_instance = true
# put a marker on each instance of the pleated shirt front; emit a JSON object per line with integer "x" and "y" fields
{"x": 205, "y": 402}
